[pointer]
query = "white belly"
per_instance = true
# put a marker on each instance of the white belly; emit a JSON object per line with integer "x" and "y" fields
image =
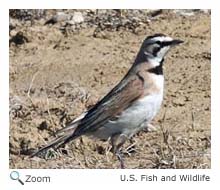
{"x": 133, "y": 119}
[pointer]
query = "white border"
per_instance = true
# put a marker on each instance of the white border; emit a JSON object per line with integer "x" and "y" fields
{"x": 107, "y": 179}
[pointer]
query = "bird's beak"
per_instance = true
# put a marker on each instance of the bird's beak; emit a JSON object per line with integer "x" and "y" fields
{"x": 176, "y": 42}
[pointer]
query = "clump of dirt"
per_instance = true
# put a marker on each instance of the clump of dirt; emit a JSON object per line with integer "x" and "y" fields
{"x": 59, "y": 70}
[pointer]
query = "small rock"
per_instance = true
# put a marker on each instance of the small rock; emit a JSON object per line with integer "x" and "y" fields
{"x": 179, "y": 102}
{"x": 77, "y": 18}
{"x": 18, "y": 39}
{"x": 59, "y": 17}
{"x": 13, "y": 23}
{"x": 184, "y": 12}
{"x": 155, "y": 13}
{"x": 206, "y": 11}
{"x": 43, "y": 126}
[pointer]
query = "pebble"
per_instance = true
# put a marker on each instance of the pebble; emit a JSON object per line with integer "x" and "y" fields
{"x": 77, "y": 17}
{"x": 59, "y": 17}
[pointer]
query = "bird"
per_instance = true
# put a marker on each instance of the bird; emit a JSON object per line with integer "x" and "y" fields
{"x": 129, "y": 107}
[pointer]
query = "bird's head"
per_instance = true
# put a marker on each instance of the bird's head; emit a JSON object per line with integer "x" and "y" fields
{"x": 156, "y": 47}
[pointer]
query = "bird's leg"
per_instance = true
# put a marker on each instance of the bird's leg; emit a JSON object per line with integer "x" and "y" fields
{"x": 117, "y": 141}
{"x": 120, "y": 158}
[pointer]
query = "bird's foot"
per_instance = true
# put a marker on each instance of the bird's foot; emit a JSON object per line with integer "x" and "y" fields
{"x": 117, "y": 141}
{"x": 130, "y": 149}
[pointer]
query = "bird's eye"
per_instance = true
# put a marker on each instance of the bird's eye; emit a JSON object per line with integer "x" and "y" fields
{"x": 159, "y": 43}
{"x": 156, "y": 50}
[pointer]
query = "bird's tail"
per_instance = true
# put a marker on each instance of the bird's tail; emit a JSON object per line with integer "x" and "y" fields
{"x": 63, "y": 136}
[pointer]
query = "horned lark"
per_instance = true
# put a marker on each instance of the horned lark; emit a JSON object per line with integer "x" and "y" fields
{"x": 129, "y": 106}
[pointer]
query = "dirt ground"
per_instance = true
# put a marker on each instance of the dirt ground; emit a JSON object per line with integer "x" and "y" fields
{"x": 54, "y": 77}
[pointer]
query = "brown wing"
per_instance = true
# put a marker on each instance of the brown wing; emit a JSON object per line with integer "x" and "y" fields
{"x": 128, "y": 90}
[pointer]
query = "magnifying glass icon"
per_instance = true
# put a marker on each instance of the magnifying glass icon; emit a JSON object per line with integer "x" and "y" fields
{"x": 14, "y": 175}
